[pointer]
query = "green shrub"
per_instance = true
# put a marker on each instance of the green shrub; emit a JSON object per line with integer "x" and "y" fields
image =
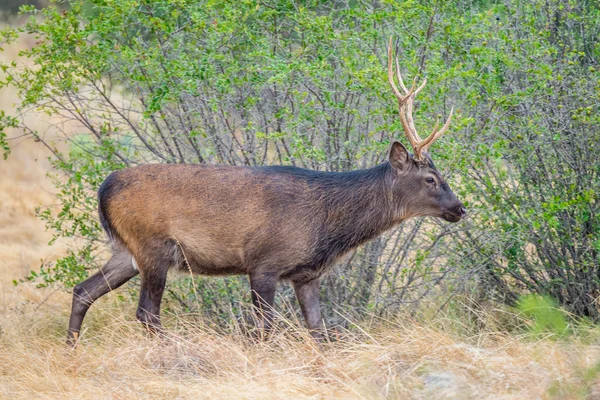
{"x": 545, "y": 315}
{"x": 251, "y": 83}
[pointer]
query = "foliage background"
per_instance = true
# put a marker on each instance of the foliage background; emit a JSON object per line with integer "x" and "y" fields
{"x": 251, "y": 83}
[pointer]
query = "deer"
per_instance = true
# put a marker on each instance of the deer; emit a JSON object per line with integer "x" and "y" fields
{"x": 271, "y": 223}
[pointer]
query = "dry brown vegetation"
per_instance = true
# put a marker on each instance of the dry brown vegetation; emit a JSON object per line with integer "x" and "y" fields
{"x": 384, "y": 359}
{"x": 431, "y": 357}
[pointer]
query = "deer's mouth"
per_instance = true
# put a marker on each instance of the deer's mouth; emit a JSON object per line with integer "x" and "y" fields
{"x": 451, "y": 217}
{"x": 456, "y": 214}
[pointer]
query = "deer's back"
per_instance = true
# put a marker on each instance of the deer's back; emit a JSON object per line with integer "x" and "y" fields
{"x": 226, "y": 219}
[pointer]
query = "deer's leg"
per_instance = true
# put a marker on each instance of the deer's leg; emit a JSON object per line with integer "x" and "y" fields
{"x": 263, "y": 286}
{"x": 308, "y": 297}
{"x": 153, "y": 271}
{"x": 118, "y": 270}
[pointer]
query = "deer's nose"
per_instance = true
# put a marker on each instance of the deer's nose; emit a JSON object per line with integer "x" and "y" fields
{"x": 462, "y": 211}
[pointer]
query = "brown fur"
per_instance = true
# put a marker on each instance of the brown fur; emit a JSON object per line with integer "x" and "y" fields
{"x": 270, "y": 223}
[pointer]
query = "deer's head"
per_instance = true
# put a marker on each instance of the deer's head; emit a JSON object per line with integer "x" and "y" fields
{"x": 420, "y": 189}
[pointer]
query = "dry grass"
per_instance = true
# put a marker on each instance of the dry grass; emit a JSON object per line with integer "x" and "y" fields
{"x": 401, "y": 358}
{"x": 385, "y": 359}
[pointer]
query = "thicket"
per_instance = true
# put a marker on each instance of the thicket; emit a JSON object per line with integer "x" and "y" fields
{"x": 304, "y": 83}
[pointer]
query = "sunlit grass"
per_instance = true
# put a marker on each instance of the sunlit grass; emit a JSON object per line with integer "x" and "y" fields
{"x": 385, "y": 358}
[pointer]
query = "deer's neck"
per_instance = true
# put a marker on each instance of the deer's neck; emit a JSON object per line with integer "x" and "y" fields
{"x": 360, "y": 208}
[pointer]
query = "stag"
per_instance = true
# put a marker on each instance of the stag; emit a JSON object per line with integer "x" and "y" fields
{"x": 274, "y": 223}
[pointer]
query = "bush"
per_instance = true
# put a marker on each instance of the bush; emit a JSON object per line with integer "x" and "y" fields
{"x": 252, "y": 83}
{"x": 545, "y": 316}
{"x": 534, "y": 173}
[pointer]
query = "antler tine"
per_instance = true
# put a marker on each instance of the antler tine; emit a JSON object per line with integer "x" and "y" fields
{"x": 401, "y": 98}
{"x": 436, "y": 135}
{"x": 399, "y": 76}
{"x": 405, "y": 101}
{"x": 397, "y": 93}
{"x": 420, "y": 87}
{"x": 434, "y": 131}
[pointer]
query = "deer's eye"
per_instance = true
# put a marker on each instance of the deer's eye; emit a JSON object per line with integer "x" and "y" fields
{"x": 429, "y": 180}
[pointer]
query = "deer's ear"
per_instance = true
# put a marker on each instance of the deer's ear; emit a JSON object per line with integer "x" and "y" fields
{"x": 398, "y": 156}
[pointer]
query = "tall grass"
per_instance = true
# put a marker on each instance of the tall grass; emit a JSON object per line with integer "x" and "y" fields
{"x": 394, "y": 358}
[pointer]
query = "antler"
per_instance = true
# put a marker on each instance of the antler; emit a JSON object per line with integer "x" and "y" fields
{"x": 405, "y": 107}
